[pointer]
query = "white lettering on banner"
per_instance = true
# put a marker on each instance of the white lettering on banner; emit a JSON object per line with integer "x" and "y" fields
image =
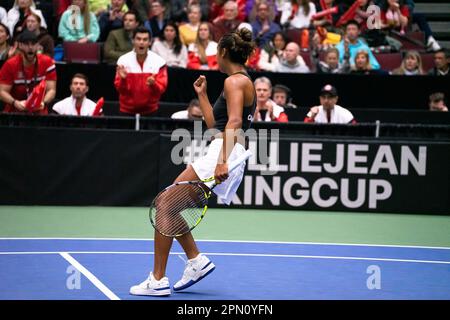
{"x": 302, "y": 195}
{"x": 334, "y": 172}
{"x": 248, "y": 181}
{"x": 316, "y": 192}
{"x": 262, "y": 187}
{"x": 384, "y": 152}
{"x": 274, "y": 161}
{"x": 360, "y": 195}
{"x": 297, "y": 191}
{"x": 374, "y": 196}
{"x": 419, "y": 163}
{"x": 353, "y": 159}
{"x": 339, "y": 165}
{"x": 354, "y": 156}
{"x": 293, "y": 162}
{"x": 307, "y": 157}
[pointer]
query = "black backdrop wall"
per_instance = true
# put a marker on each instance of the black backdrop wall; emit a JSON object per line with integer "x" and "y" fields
{"x": 60, "y": 166}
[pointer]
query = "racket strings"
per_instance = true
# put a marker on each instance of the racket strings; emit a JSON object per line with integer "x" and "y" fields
{"x": 178, "y": 209}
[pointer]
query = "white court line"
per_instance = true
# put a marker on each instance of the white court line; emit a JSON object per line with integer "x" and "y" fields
{"x": 234, "y": 254}
{"x": 245, "y": 241}
{"x": 90, "y": 276}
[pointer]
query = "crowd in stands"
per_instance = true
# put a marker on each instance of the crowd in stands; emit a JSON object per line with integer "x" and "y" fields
{"x": 333, "y": 36}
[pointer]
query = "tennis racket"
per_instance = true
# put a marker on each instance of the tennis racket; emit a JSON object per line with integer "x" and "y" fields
{"x": 180, "y": 207}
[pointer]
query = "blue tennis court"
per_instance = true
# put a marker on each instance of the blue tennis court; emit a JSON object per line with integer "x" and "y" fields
{"x": 51, "y": 268}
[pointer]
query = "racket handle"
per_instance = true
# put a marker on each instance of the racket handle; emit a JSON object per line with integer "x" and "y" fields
{"x": 242, "y": 158}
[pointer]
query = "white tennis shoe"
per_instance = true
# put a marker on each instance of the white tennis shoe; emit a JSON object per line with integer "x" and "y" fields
{"x": 195, "y": 270}
{"x": 152, "y": 287}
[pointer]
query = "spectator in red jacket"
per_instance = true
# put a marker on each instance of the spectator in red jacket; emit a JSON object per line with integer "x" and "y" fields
{"x": 202, "y": 53}
{"x": 141, "y": 77}
{"x": 23, "y": 72}
{"x": 266, "y": 108}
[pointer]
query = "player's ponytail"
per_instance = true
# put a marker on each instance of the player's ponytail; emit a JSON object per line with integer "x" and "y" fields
{"x": 239, "y": 45}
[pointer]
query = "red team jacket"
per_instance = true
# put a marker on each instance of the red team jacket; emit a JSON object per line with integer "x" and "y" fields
{"x": 135, "y": 96}
{"x": 194, "y": 57}
{"x": 20, "y": 78}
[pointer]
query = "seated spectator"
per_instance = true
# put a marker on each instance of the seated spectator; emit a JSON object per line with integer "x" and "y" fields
{"x": 329, "y": 111}
{"x": 217, "y": 10}
{"x": 193, "y": 112}
{"x": 46, "y": 44}
{"x": 6, "y": 51}
{"x": 420, "y": 19}
{"x": 354, "y": 44}
{"x": 297, "y": 14}
{"x": 292, "y": 61}
{"x": 179, "y": 11}
{"x": 112, "y": 18}
{"x": 158, "y": 20}
{"x": 77, "y": 104}
{"x": 170, "y": 48}
{"x": 282, "y": 96}
{"x": 3, "y": 16}
{"x": 328, "y": 21}
{"x": 229, "y": 22}
{"x": 81, "y": 26}
{"x": 395, "y": 15}
{"x": 362, "y": 65}
{"x": 331, "y": 62}
{"x": 143, "y": 9}
{"x": 202, "y": 53}
{"x": 251, "y": 10}
{"x": 120, "y": 41}
{"x": 21, "y": 73}
{"x": 188, "y": 31}
{"x": 441, "y": 63}
{"x": 437, "y": 102}
{"x": 272, "y": 52}
{"x": 266, "y": 108}
{"x": 99, "y": 7}
{"x": 263, "y": 28}
{"x": 141, "y": 77}
{"x": 18, "y": 13}
{"x": 361, "y": 15}
{"x": 411, "y": 65}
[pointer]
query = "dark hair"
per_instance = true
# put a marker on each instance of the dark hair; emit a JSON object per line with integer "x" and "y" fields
{"x": 142, "y": 29}
{"x": 282, "y": 34}
{"x": 239, "y": 45}
{"x": 436, "y": 97}
{"x": 81, "y": 76}
{"x": 8, "y": 41}
{"x": 352, "y": 22}
{"x": 27, "y": 36}
{"x": 444, "y": 51}
{"x": 282, "y": 88}
{"x": 134, "y": 13}
{"x": 194, "y": 103}
{"x": 177, "y": 42}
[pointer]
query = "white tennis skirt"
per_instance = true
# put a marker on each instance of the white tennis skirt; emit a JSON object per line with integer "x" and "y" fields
{"x": 205, "y": 167}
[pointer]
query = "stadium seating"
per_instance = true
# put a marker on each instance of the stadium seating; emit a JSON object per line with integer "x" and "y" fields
{"x": 82, "y": 52}
{"x": 389, "y": 61}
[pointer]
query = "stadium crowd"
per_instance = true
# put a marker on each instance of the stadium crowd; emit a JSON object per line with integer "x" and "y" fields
{"x": 295, "y": 36}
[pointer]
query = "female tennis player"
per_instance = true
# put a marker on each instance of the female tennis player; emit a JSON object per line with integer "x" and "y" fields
{"x": 232, "y": 113}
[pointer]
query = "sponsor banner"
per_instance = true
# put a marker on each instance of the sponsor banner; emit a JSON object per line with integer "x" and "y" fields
{"x": 335, "y": 175}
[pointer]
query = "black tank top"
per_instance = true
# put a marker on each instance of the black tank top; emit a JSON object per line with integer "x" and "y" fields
{"x": 221, "y": 114}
